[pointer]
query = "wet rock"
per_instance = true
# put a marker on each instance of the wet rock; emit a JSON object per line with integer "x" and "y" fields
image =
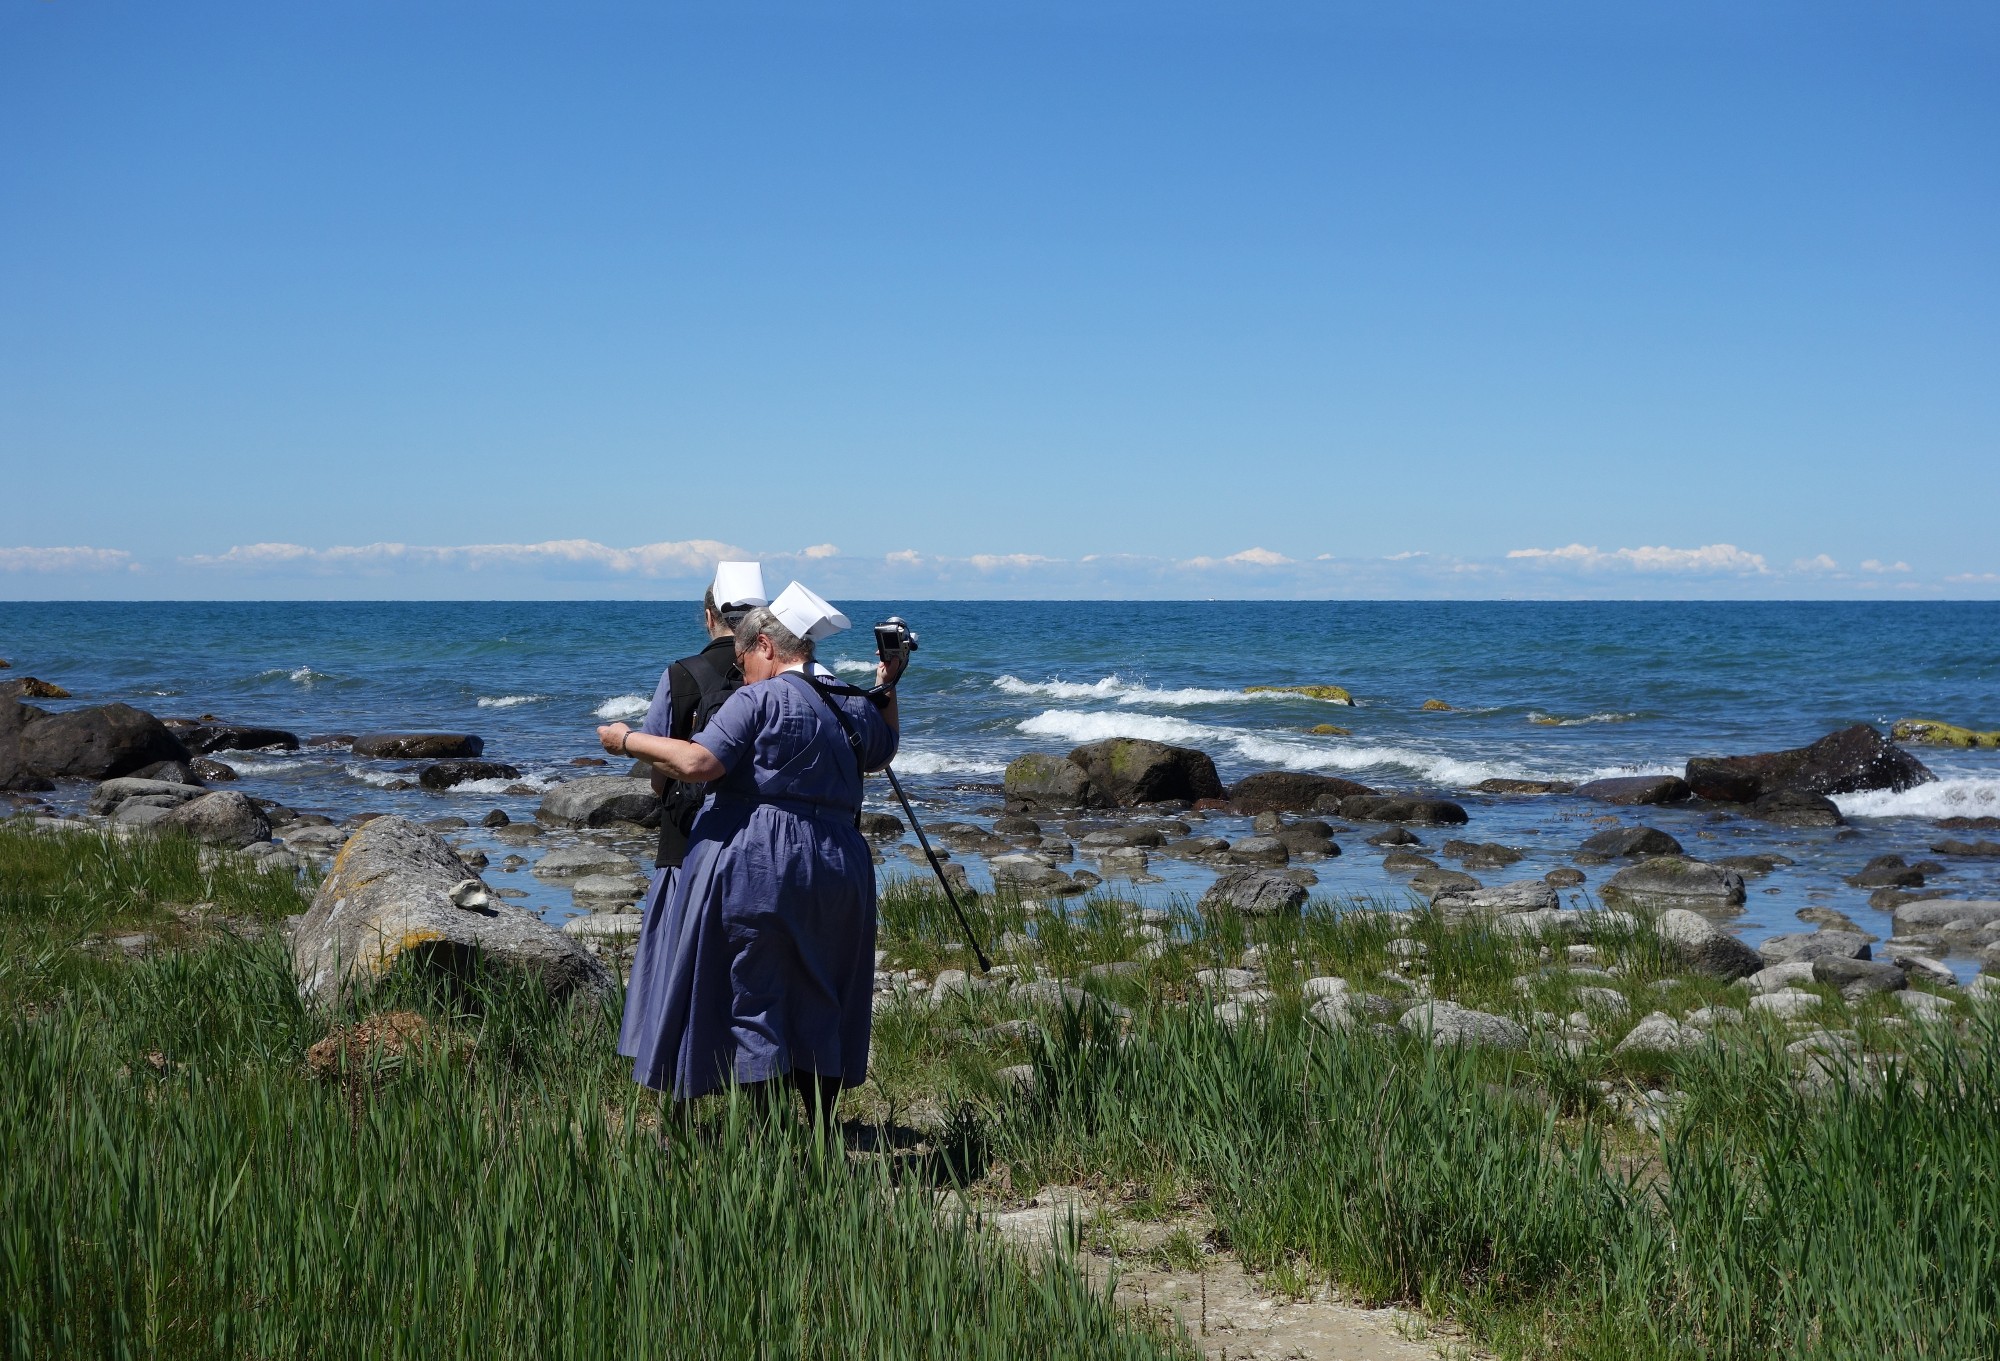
{"x": 1931, "y": 733}
{"x": 1985, "y": 850}
{"x": 1290, "y": 791}
{"x": 1030, "y": 874}
{"x": 1040, "y": 780}
{"x": 1434, "y": 706}
{"x": 1328, "y": 694}
{"x": 1196, "y": 847}
{"x": 1259, "y": 850}
{"x": 1659, "y": 1033}
{"x": 1618, "y": 842}
{"x": 1858, "y": 978}
{"x": 574, "y": 862}
{"x": 1481, "y": 855}
{"x": 204, "y": 738}
{"x": 1811, "y": 945}
{"x": 1953, "y": 918}
{"x": 225, "y": 818}
{"x": 1633, "y": 790}
{"x": 1696, "y": 943}
{"x": 210, "y": 771}
{"x": 1130, "y": 770}
{"x": 1845, "y": 762}
{"x": 1796, "y": 808}
{"x": 447, "y": 774}
{"x": 1307, "y": 840}
{"x": 1433, "y": 881}
{"x": 172, "y": 772}
{"x": 1008, "y": 824}
{"x": 1389, "y": 808}
{"x": 1447, "y": 1023}
{"x": 599, "y": 801}
{"x": 1395, "y": 836}
{"x": 496, "y": 817}
{"x": 881, "y": 826}
{"x": 1754, "y": 864}
{"x": 1675, "y": 880}
{"x": 1122, "y": 836}
{"x": 604, "y": 926}
{"x": 387, "y": 902}
{"x": 404, "y": 746}
{"x": 96, "y": 743}
{"x": 1887, "y": 871}
{"x": 1503, "y": 786}
{"x": 30, "y": 687}
{"x": 1563, "y": 877}
{"x": 1253, "y": 893}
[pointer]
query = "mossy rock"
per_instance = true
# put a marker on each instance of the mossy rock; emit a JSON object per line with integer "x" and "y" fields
{"x": 1330, "y": 694}
{"x": 1930, "y": 733}
{"x": 31, "y": 688}
{"x": 1436, "y": 706}
{"x": 1329, "y": 730}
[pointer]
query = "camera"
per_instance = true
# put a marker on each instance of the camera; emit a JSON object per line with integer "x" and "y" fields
{"x": 893, "y": 638}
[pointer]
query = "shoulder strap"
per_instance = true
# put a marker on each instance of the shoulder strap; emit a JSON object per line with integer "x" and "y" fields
{"x": 823, "y": 692}
{"x": 686, "y": 698}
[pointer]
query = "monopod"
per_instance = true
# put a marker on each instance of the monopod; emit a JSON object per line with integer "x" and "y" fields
{"x": 931, "y": 855}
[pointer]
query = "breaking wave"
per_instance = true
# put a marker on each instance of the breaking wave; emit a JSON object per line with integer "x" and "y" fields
{"x": 1957, "y": 797}
{"x": 1121, "y": 691}
{"x": 623, "y": 706}
{"x": 298, "y": 675}
{"x": 935, "y": 763}
{"x": 1265, "y": 750}
{"x": 507, "y": 701}
{"x": 848, "y": 666}
{"x": 1552, "y": 721}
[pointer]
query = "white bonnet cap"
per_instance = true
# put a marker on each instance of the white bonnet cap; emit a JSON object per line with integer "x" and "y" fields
{"x": 739, "y": 583}
{"x": 806, "y": 615}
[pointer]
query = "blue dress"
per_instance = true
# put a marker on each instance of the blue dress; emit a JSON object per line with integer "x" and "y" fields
{"x": 641, "y": 1008}
{"x": 765, "y": 958}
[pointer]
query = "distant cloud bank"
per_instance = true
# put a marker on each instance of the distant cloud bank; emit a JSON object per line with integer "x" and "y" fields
{"x": 583, "y": 567}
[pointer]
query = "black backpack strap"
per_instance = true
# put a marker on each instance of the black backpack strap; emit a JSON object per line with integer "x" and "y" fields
{"x": 684, "y": 698}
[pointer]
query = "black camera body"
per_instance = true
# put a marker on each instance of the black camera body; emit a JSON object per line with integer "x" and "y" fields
{"x": 893, "y": 638}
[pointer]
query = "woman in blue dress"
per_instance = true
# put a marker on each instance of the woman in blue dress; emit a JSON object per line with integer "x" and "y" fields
{"x": 767, "y": 971}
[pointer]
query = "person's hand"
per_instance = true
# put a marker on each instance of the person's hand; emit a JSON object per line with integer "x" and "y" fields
{"x": 612, "y": 735}
{"x": 888, "y": 673}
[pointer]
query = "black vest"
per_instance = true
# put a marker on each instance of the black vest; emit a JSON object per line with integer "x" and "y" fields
{"x": 699, "y": 684}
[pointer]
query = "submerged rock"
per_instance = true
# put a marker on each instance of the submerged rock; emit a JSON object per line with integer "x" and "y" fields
{"x": 1931, "y": 733}
{"x": 448, "y": 774}
{"x": 1505, "y": 786}
{"x": 418, "y": 745}
{"x": 211, "y": 737}
{"x": 388, "y": 902}
{"x": 1675, "y": 880}
{"x": 1391, "y": 808}
{"x": 1637, "y": 789}
{"x": 1620, "y": 842}
{"x": 1845, "y": 762}
{"x": 1290, "y": 791}
{"x": 1330, "y": 694}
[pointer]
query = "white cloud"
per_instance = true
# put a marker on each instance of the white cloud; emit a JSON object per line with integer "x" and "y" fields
{"x": 1714, "y": 558}
{"x": 1974, "y": 577}
{"x": 1877, "y": 565}
{"x": 691, "y": 557}
{"x": 905, "y": 557}
{"x": 1249, "y": 557}
{"x": 820, "y": 550}
{"x": 1818, "y": 563}
{"x": 994, "y": 562}
{"x": 66, "y": 560}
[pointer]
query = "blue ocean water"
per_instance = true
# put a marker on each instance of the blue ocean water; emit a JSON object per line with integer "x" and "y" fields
{"x": 1537, "y": 690}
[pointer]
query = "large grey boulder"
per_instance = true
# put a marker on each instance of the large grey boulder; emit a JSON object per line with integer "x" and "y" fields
{"x": 1253, "y": 893}
{"x": 1671, "y": 880}
{"x": 398, "y": 895}
{"x": 1619, "y": 843}
{"x": 1632, "y": 790}
{"x": 1039, "y": 780}
{"x": 574, "y": 862}
{"x": 1696, "y": 942}
{"x": 1518, "y": 895}
{"x": 1027, "y": 873}
{"x": 1859, "y": 978}
{"x": 1845, "y": 762}
{"x": 1811, "y": 945}
{"x": 15, "y": 772}
{"x": 1129, "y": 770}
{"x": 1448, "y": 1023}
{"x": 1939, "y": 914}
{"x": 599, "y": 801}
{"x": 1659, "y": 1033}
{"x": 403, "y": 746}
{"x": 96, "y": 743}
{"x": 226, "y": 819}
{"x": 107, "y": 796}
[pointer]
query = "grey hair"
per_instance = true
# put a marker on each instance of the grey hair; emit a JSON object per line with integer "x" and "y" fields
{"x": 761, "y": 622}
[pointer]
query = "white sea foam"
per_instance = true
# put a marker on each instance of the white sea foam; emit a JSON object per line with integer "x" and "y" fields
{"x": 849, "y": 666}
{"x": 1121, "y": 691}
{"x": 298, "y": 675}
{"x": 909, "y": 762}
{"x": 381, "y": 779}
{"x": 529, "y": 779}
{"x": 623, "y": 706}
{"x": 507, "y": 701}
{"x": 249, "y": 763}
{"x": 1266, "y": 749}
{"x": 1551, "y": 721}
{"x": 1957, "y": 797}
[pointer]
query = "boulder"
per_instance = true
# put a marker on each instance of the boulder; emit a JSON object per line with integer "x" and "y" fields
{"x": 405, "y": 746}
{"x": 1328, "y": 694}
{"x": 1930, "y": 733}
{"x": 599, "y": 801}
{"x": 1844, "y": 762}
{"x": 1519, "y": 895}
{"x": 1030, "y": 874}
{"x": 1130, "y": 770}
{"x": 1039, "y": 780}
{"x": 574, "y": 862}
{"x": 96, "y": 743}
{"x": 107, "y": 796}
{"x": 398, "y": 894}
{"x": 1500, "y": 785}
{"x": 1675, "y": 880}
{"x": 1390, "y": 808}
{"x": 28, "y": 687}
{"x": 446, "y": 774}
{"x": 1859, "y": 978}
{"x": 1259, "y": 850}
{"x": 1289, "y": 791}
{"x": 1952, "y": 916}
{"x": 1433, "y": 881}
{"x": 1619, "y": 842}
{"x": 1307, "y": 839}
{"x": 1633, "y": 790}
{"x": 881, "y": 826}
{"x": 1481, "y": 855}
{"x": 1796, "y": 808}
{"x": 1888, "y": 871}
{"x": 1253, "y": 893}
{"x": 1694, "y": 940}
{"x": 1810, "y": 945}
{"x": 225, "y": 818}
{"x": 15, "y": 773}
{"x": 1984, "y": 850}
{"x": 1659, "y": 1033}
{"x": 207, "y": 771}
{"x": 1448, "y": 1023}
{"x": 204, "y": 738}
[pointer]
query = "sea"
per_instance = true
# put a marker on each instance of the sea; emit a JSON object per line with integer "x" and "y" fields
{"x": 1536, "y": 690}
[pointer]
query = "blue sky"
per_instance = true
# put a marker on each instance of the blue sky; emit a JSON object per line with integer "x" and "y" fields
{"x": 1021, "y": 299}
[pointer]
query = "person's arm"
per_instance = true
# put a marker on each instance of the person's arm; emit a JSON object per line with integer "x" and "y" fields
{"x": 884, "y": 678}
{"x": 688, "y": 761}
